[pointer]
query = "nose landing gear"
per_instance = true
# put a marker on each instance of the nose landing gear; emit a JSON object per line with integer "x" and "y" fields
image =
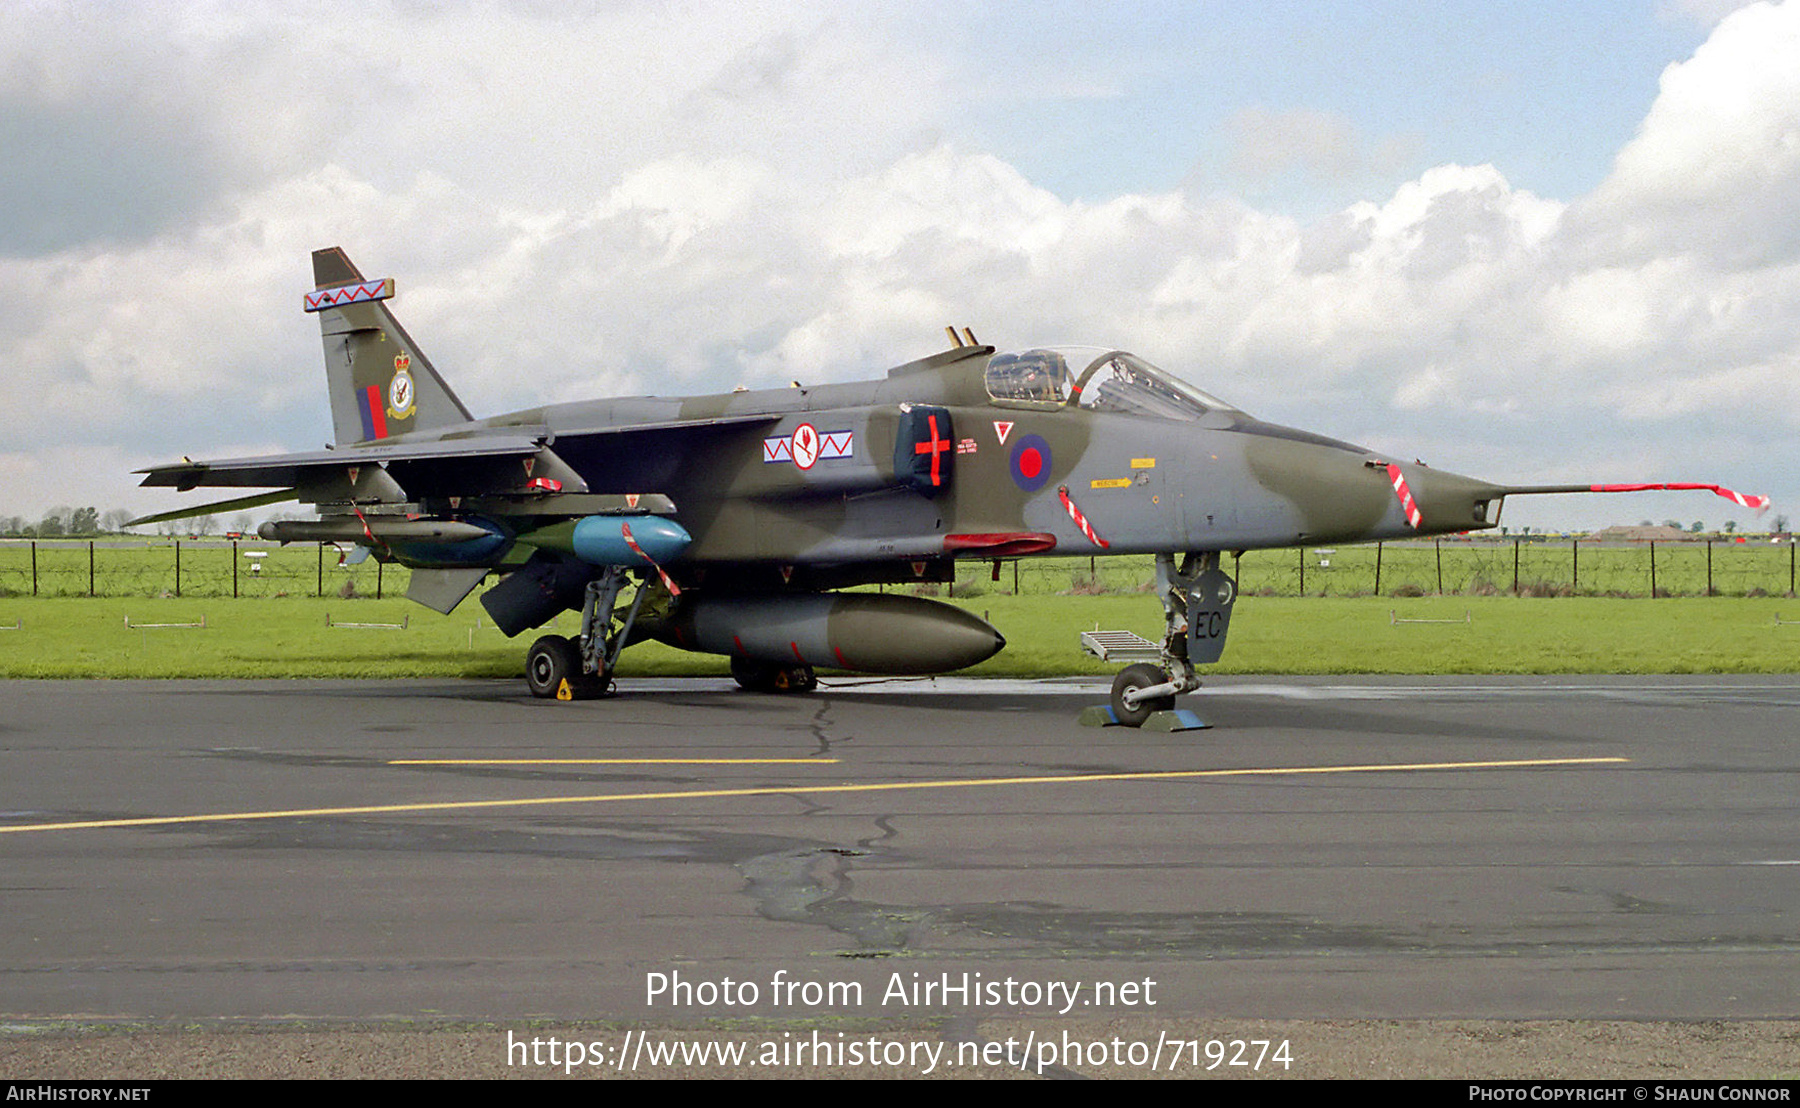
{"x": 1196, "y": 599}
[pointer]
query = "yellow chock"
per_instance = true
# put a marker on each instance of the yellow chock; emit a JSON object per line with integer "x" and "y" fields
{"x": 563, "y": 691}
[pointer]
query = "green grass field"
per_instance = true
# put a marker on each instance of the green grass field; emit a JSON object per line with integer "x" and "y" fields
{"x": 288, "y": 637}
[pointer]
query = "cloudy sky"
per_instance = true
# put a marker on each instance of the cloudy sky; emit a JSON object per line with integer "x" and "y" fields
{"x": 1529, "y": 242}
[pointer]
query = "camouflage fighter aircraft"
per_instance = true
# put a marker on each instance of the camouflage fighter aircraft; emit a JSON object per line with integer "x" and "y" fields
{"x": 732, "y": 521}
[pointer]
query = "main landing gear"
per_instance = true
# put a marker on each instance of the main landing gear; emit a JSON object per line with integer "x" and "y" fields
{"x": 1196, "y": 599}
{"x": 765, "y": 678}
{"x": 582, "y": 667}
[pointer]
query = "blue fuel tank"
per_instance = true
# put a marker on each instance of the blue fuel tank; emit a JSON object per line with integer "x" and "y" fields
{"x": 602, "y": 540}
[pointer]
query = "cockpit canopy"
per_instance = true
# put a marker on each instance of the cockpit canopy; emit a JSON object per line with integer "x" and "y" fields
{"x": 1099, "y": 380}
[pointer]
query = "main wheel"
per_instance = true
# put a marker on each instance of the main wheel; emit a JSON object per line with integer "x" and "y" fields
{"x": 796, "y": 679}
{"x": 753, "y": 676}
{"x": 1130, "y": 679}
{"x": 766, "y": 678}
{"x": 552, "y": 660}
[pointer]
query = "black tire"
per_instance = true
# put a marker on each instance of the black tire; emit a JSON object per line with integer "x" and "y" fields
{"x": 1140, "y": 676}
{"x": 753, "y": 676}
{"x": 796, "y": 679}
{"x": 763, "y": 677}
{"x": 552, "y": 660}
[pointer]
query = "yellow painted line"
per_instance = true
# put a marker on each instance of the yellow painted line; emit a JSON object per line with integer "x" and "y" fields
{"x": 613, "y": 761}
{"x": 785, "y": 790}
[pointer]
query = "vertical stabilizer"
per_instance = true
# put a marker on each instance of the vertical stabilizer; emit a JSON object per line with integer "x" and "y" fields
{"x": 381, "y": 385}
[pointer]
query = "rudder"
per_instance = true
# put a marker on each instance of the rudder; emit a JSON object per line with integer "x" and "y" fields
{"x": 380, "y": 383}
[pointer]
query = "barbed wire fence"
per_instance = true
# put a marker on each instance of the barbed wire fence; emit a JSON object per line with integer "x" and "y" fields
{"x": 1716, "y": 567}
{"x": 201, "y": 568}
{"x": 1755, "y": 567}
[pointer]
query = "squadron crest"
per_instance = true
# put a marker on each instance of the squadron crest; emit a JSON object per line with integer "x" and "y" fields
{"x": 401, "y": 398}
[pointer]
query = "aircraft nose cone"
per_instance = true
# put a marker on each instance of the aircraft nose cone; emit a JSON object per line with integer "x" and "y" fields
{"x": 1449, "y": 502}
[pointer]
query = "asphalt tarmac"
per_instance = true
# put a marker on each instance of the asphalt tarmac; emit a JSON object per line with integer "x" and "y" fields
{"x": 902, "y": 854}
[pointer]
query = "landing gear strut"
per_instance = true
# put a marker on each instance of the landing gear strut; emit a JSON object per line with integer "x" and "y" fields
{"x": 582, "y": 667}
{"x": 1196, "y": 599}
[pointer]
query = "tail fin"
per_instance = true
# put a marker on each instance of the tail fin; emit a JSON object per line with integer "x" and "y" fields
{"x": 380, "y": 383}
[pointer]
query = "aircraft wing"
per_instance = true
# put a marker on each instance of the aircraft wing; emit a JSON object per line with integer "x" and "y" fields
{"x": 294, "y": 470}
{"x": 316, "y": 466}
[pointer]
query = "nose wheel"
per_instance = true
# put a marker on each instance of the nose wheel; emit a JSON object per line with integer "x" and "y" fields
{"x": 1129, "y": 704}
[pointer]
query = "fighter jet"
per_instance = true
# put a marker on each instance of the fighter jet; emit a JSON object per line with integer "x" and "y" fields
{"x": 732, "y": 523}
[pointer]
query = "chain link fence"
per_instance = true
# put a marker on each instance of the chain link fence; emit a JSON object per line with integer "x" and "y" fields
{"x": 190, "y": 568}
{"x": 1718, "y": 567}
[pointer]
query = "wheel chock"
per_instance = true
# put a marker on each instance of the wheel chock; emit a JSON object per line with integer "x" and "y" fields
{"x": 1176, "y": 719}
{"x": 563, "y": 691}
{"x": 1099, "y": 715}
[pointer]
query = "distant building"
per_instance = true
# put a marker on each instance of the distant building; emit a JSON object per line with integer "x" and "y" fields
{"x": 1641, "y": 533}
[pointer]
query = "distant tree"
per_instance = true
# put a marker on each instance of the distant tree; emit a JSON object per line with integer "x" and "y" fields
{"x": 1698, "y": 527}
{"x": 84, "y": 521}
{"x": 1645, "y": 523}
{"x": 1778, "y": 525}
{"x": 114, "y": 519}
{"x": 1730, "y": 526}
{"x": 51, "y": 527}
{"x": 1673, "y": 524}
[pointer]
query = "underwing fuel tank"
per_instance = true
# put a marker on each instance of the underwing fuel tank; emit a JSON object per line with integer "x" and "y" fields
{"x": 864, "y": 632}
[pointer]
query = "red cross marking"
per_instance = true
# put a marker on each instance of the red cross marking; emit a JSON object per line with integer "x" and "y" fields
{"x": 936, "y": 448}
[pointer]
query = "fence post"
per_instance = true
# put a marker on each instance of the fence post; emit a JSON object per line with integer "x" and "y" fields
{"x": 379, "y": 565}
{"x": 1574, "y": 565}
{"x": 1438, "y": 546}
{"x": 177, "y": 568}
{"x": 34, "y": 568}
{"x": 1377, "y": 569}
{"x": 234, "y": 557}
{"x": 1303, "y": 571}
{"x": 90, "y": 567}
{"x": 1709, "y": 589}
{"x": 1653, "y": 569}
{"x": 321, "y": 569}
{"x": 1515, "y": 567}
{"x": 1015, "y": 576}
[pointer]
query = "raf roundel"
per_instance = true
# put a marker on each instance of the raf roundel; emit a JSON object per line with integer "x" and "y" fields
{"x": 1031, "y": 462}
